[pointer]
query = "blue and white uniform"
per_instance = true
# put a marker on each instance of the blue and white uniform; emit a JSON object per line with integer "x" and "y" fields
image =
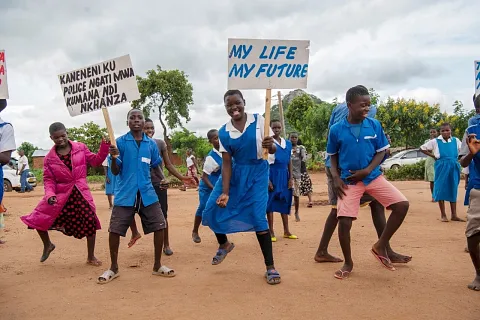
{"x": 280, "y": 199}
{"x": 213, "y": 168}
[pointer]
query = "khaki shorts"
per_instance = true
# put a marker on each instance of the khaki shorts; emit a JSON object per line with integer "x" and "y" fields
{"x": 473, "y": 214}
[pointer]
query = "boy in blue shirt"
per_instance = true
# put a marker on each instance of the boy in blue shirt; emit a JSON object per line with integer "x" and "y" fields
{"x": 470, "y": 152}
{"x": 378, "y": 211}
{"x": 357, "y": 145}
{"x": 132, "y": 159}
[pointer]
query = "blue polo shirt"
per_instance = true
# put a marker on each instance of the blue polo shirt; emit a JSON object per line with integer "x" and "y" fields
{"x": 135, "y": 162}
{"x": 341, "y": 112}
{"x": 357, "y": 153}
{"x": 474, "y": 167}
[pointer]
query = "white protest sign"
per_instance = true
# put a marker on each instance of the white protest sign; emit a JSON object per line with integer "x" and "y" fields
{"x": 101, "y": 85}
{"x": 3, "y": 76}
{"x": 267, "y": 64}
{"x": 477, "y": 77}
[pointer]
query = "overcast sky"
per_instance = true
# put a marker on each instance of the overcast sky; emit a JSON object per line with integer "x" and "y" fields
{"x": 421, "y": 49}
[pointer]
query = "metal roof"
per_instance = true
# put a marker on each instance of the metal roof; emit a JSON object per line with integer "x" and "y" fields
{"x": 40, "y": 153}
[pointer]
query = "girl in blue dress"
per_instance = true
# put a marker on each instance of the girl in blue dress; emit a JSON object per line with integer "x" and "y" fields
{"x": 239, "y": 200}
{"x": 280, "y": 186}
{"x": 444, "y": 150}
{"x": 212, "y": 169}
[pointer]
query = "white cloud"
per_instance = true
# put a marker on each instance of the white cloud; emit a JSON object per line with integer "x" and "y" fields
{"x": 414, "y": 49}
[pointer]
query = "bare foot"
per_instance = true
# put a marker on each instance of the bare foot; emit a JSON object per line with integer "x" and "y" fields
{"x": 94, "y": 262}
{"x": 134, "y": 239}
{"x": 398, "y": 258}
{"x": 444, "y": 219}
{"x": 46, "y": 252}
{"x": 475, "y": 285}
{"x": 344, "y": 272}
{"x": 2, "y": 242}
{"x": 297, "y": 217}
{"x": 456, "y": 218}
{"x": 326, "y": 257}
{"x": 196, "y": 238}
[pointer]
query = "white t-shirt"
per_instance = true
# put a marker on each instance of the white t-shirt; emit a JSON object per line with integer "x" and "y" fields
{"x": 466, "y": 170}
{"x": 235, "y": 134}
{"x": 7, "y": 138}
{"x": 210, "y": 164}
{"x": 190, "y": 161}
{"x": 23, "y": 161}
{"x": 432, "y": 145}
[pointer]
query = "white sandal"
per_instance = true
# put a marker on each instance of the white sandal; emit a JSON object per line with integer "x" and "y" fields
{"x": 107, "y": 276}
{"x": 164, "y": 271}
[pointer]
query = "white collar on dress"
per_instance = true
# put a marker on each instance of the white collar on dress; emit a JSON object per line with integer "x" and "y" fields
{"x": 217, "y": 152}
{"x": 441, "y": 139}
{"x": 229, "y": 125}
{"x": 282, "y": 144}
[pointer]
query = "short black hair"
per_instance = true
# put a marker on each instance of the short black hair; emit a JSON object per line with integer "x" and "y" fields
{"x": 294, "y": 133}
{"x": 211, "y": 133}
{"x": 3, "y": 104}
{"x": 232, "y": 93}
{"x": 446, "y": 124}
{"x": 433, "y": 129}
{"x": 131, "y": 110}
{"x": 148, "y": 120}
{"x": 275, "y": 120}
{"x": 56, "y": 126}
{"x": 476, "y": 102}
{"x": 356, "y": 91}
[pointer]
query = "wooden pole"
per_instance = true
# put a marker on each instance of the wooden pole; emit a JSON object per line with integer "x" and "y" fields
{"x": 266, "y": 132}
{"x": 280, "y": 109}
{"x": 106, "y": 115}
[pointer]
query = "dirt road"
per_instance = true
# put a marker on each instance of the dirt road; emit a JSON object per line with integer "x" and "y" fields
{"x": 432, "y": 286}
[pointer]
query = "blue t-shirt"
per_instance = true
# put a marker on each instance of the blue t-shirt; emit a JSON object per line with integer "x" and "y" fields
{"x": 474, "y": 176}
{"x": 474, "y": 120}
{"x": 357, "y": 152}
{"x": 341, "y": 112}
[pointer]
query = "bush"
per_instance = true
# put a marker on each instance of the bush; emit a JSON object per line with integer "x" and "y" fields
{"x": 407, "y": 172}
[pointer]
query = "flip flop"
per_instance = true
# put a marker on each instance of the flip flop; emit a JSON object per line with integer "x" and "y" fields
{"x": 384, "y": 261}
{"x": 273, "y": 277}
{"x": 222, "y": 254}
{"x": 164, "y": 271}
{"x": 343, "y": 274}
{"x": 107, "y": 276}
{"x": 292, "y": 236}
{"x": 132, "y": 242}
{"x": 274, "y": 239}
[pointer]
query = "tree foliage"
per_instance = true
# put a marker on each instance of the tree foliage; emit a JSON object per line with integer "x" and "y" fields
{"x": 29, "y": 149}
{"x": 184, "y": 139}
{"x": 89, "y": 133}
{"x": 168, "y": 93}
{"x": 458, "y": 120}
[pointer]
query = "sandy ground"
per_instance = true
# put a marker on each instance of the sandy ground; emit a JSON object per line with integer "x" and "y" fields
{"x": 432, "y": 286}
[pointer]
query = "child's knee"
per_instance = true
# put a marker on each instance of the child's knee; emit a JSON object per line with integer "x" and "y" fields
{"x": 401, "y": 206}
{"x": 345, "y": 221}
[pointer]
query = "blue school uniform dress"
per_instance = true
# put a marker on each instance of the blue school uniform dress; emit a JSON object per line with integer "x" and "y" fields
{"x": 248, "y": 195}
{"x": 110, "y": 187}
{"x": 447, "y": 171}
{"x": 212, "y": 167}
{"x": 356, "y": 145}
{"x": 280, "y": 199}
{"x": 135, "y": 161}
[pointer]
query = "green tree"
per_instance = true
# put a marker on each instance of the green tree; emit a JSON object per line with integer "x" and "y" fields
{"x": 89, "y": 133}
{"x": 29, "y": 149}
{"x": 458, "y": 120}
{"x": 167, "y": 92}
{"x": 297, "y": 109}
{"x": 374, "y": 96}
{"x": 407, "y": 121}
{"x": 185, "y": 139}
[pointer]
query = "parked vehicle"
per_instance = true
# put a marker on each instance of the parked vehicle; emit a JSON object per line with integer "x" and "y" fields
{"x": 402, "y": 158}
{"x": 11, "y": 181}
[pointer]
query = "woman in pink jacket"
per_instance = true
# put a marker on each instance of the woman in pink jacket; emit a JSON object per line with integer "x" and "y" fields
{"x": 68, "y": 204}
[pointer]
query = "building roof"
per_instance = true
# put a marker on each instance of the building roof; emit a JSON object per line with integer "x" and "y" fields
{"x": 40, "y": 153}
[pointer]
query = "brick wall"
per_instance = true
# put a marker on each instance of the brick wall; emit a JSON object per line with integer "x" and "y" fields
{"x": 37, "y": 163}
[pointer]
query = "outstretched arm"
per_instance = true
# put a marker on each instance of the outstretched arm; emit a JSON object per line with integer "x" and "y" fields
{"x": 96, "y": 160}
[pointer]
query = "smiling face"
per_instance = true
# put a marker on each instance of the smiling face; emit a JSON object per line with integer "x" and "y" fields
{"x": 235, "y": 106}
{"x": 136, "y": 121}
{"x": 276, "y": 128}
{"x": 359, "y": 107}
{"x": 149, "y": 129}
{"x": 60, "y": 138}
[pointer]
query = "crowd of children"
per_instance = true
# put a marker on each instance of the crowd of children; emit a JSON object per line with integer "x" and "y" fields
{"x": 239, "y": 191}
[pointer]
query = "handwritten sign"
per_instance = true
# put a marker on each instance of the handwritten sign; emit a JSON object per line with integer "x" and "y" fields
{"x": 101, "y": 85}
{"x": 477, "y": 77}
{"x": 267, "y": 64}
{"x": 3, "y": 76}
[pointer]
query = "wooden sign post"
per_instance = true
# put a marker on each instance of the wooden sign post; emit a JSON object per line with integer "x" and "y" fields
{"x": 280, "y": 111}
{"x": 100, "y": 86}
{"x": 267, "y": 64}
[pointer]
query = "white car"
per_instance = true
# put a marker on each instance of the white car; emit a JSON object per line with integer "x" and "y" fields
{"x": 402, "y": 158}
{"x": 11, "y": 181}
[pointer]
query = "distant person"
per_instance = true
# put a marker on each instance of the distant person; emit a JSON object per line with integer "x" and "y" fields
{"x": 430, "y": 164}
{"x": 109, "y": 182}
{"x": 444, "y": 150}
{"x": 7, "y": 145}
{"x": 302, "y": 185}
{"x": 23, "y": 170}
{"x": 68, "y": 205}
{"x": 192, "y": 168}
